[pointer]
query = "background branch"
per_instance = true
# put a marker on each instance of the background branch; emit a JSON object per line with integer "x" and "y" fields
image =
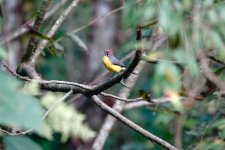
{"x": 23, "y": 29}
{"x": 37, "y": 23}
{"x": 119, "y": 105}
{"x": 155, "y": 101}
{"x": 208, "y": 73}
{"x": 122, "y": 99}
{"x": 52, "y": 31}
{"x": 132, "y": 125}
{"x": 65, "y": 86}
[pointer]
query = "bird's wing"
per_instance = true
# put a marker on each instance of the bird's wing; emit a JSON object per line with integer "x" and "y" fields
{"x": 115, "y": 61}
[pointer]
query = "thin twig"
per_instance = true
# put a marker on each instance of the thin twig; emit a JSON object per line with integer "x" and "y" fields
{"x": 40, "y": 81}
{"x": 95, "y": 20}
{"x": 154, "y": 101}
{"x": 138, "y": 102}
{"x": 216, "y": 60}
{"x": 122, "y": 99}
{"x": 208, "y": 73}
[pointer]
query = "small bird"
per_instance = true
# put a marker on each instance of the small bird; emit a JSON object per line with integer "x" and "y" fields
{"x": 111, "y": 62}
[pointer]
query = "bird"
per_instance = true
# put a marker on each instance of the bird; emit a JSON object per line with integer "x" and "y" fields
{"x": 111, "y": 62}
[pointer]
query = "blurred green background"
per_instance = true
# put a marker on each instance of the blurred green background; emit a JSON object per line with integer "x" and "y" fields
{"x": 73, "y": 124}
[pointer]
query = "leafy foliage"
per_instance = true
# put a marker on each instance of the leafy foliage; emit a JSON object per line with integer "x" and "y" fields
{"x": 188, "y": 29}
{"x": 178, "y": 69}
{"x": 18, "y": 109}
{"x": 3, "y": 53}
{"x": 63, "y": 119}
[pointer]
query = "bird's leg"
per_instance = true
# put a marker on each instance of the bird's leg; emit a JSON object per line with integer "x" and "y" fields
{"x": 112, "y": 75}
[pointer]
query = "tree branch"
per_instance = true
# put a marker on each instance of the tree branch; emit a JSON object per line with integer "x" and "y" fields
{"x": 119, "y": 106}
{"x": 65, "y": 86}
{"x": 138, "y": 102}
{"x": 33, "y": 39}
{"x": 27, "y": 68}
{"x": 132, "y": 125}
{"x": 23, "y": 29}
{"x": 52, "y": 31}
{"x": 120, "y": 76}
{"x": 208, "y": 73}
{"x": 123, "y": 99}
{"x": 155, "y": 101}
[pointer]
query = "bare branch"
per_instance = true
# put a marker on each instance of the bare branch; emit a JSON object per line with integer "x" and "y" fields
{"x": 52, "y": 31}
{"x": 99, "y": 77}
{"x": 65, "y": 86}
{"x": 23, "y": 29}
{"x": 138, "y": 102}
{"x": 95, "y": 20}
{"x": 155, "y": 101}
{"x": 216, "y": 60}
{"x": 119, "y": 105}
{"x": 37, "y": 23}
{"x": 132, "y": 125}
{"x": 124, "y": 75}
{"x": 208, "y": 73}
{"x": 122, "y": 99}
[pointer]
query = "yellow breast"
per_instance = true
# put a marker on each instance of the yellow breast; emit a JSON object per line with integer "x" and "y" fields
{"x": 111, "y": 67}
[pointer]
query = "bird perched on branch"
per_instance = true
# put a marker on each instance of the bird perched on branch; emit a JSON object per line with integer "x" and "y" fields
{"x": 111, "y": 62}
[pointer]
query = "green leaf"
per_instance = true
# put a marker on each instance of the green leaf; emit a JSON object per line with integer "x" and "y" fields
{"x": 20, "y": 143}
{"x": 170, "y": 19}
{"x": 188, "y": 59}
{"x": 3, "y": 53}
{"x": 219, "y": 124}
{"x": 55, "y": 49}
{"x": 190, "y": 123}
{"x": 139, "y": 13}
{"x": 17, "y": 108}
{"x": 216, "y": 37}
{"x": 78, "y": 41}
{"x": 222, "y": 133}
{"x": 187, "y": 4}
{"x": 40, "y": 35}
{"x": 166, "y": 77}
{"x": 211, "y": 145}
{"x": 136, "y": 146}
{"x": 163, "y": 118}
{"x": 63, "y": 119}
{"x": 196, "y": 132}
{"x": 9, "y": 81}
